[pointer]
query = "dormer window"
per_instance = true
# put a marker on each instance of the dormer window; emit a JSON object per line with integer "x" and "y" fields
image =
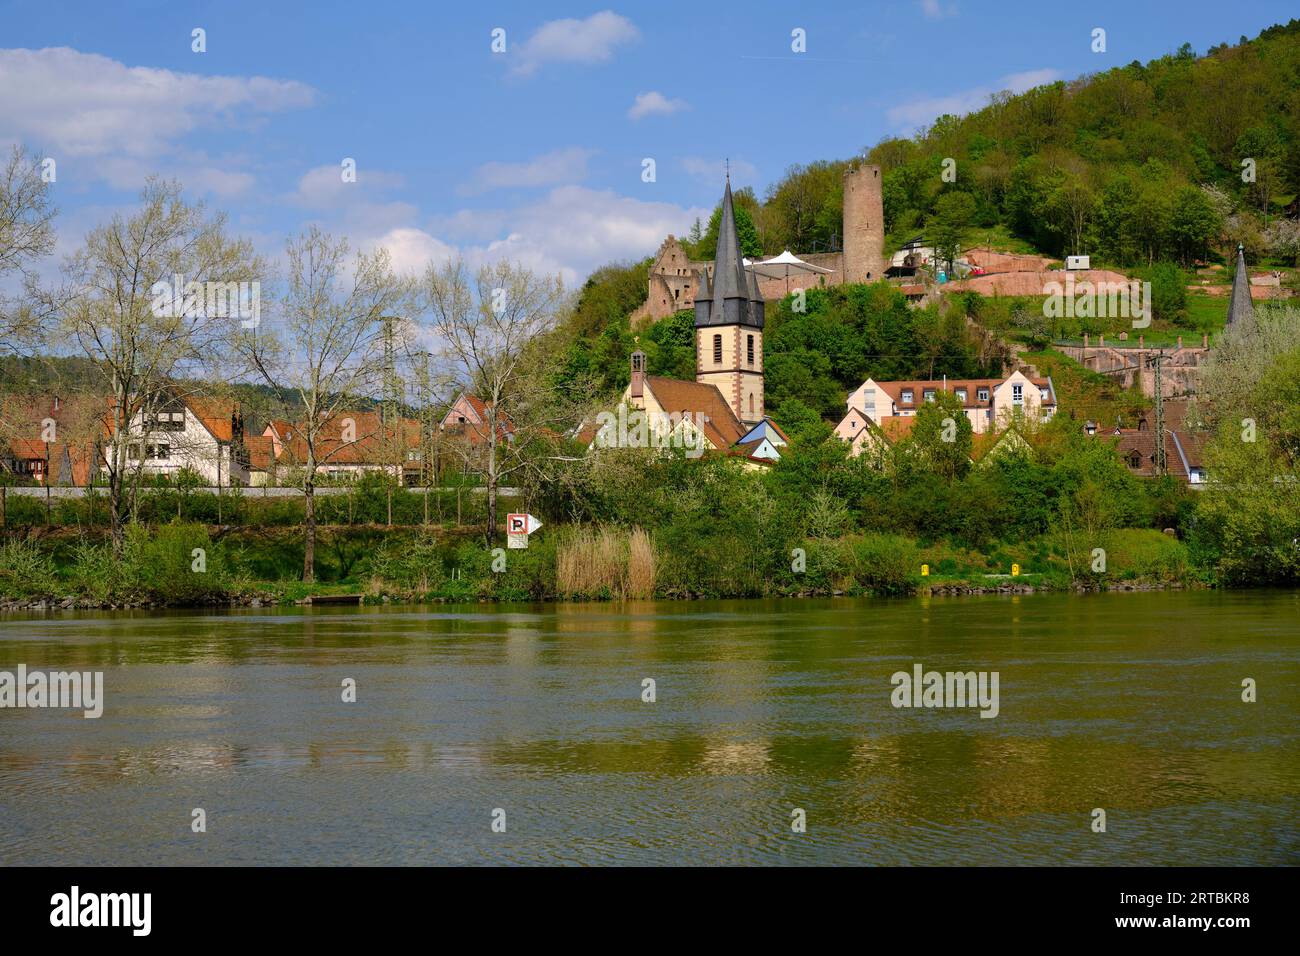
{"x": 982, "y": 394}
{"x": 928, "y": 394}
{"x": 961, "y": 395}
{"x": 907, "y": 396}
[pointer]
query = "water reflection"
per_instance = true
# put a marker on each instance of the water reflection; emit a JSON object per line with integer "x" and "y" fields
{"x": 1129, "y": 702}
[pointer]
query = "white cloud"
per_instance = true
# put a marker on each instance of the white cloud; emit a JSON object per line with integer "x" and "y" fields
{"x": 920, "y": 112}
{"x": 571, "y": 231}
{"x": 935, "y": 10}
{"x": 86, "y": 105}
{"x": 549, "y": 169}
{"x": 575, "y": 41}
{"x": 713, "y": 171}
{"x": 323, "y": 187}
{"x": 412, "y": 249}
{"x": 655, "y": 103}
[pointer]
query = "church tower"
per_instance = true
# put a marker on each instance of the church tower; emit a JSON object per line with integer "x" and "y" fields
{"x": 729, "y": 324}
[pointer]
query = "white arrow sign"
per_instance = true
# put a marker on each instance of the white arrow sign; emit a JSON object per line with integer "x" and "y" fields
{"x": 521, "y": 524}
{"x": 518, "y": 528}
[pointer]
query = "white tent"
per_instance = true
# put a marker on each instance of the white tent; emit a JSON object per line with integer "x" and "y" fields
{"x": 785, "y": 264}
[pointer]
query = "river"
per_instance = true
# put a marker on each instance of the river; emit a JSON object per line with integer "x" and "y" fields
{"x": 534, "y": 717}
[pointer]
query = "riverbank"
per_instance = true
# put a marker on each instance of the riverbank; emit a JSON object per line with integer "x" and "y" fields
{"x": 180, "y": 565}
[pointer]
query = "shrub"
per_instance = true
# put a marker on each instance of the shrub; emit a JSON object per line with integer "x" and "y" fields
{"x": 409, "y": 564}
{"x": 884, "y": 563}
{"x": 26, "y": 570}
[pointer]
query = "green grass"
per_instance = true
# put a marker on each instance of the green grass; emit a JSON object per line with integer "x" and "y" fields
{"x": 1088, "y": 394}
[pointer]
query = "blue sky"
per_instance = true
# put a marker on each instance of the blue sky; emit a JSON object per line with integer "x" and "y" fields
{"x": 535, "y": 153}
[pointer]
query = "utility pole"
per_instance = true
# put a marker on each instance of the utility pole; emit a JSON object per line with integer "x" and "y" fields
{"x": 391, "y": 426}
{"x": 426, "y": 430}
{"x": 1162, "y": 466}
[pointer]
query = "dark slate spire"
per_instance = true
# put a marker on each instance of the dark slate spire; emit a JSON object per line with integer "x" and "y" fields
{"x": 1239, "y": 306}
{"x": 730, "y": 288}
{"x": 755, "y": 300}
{"x": 703, "y": 298}
{"x": 728, "y": 271}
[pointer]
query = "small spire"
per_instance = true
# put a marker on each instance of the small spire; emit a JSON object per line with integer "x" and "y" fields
{"x": 1239, "y": 304}
{"x": 728, "y": 161}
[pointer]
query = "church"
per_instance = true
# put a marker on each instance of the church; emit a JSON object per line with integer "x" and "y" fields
{"x": 726, "y": 398}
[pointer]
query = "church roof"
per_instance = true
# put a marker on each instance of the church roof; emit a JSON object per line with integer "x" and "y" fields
{"x": 720, "y": 424}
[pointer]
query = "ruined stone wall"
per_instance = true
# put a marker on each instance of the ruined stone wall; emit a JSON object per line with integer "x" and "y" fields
{"x": 1131, "y": 367}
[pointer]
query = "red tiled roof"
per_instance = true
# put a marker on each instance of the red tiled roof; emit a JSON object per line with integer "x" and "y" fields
{"x": 1142, "y": 442}
{"x": 721, "y": 426}
{"x": 369, "y": 444}
{"x": 260, "y": 452}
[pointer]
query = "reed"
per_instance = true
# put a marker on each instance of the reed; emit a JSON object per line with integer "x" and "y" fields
{"x": 606, "y": 562}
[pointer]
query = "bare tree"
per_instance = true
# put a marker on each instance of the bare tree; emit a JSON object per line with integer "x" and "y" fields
{"x": 327, "y": 348}
{"x": 141, "y": 340}
{"x": 492, "y": 333}
{"x": 26, "y": 235}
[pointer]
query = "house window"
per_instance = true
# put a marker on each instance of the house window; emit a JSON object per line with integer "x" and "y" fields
{"x": 160, "y": 451}
{"x": 1134, "y": 460}
{"x": 869, "y": 399}
{"x": 717, "y": 350}
{"x": 907, "y": 396}
{"x": 750, "y": 344}
{"x": 928, "y": 394}
{"x": 167, "y": 421}
{"x": 961, "y": 395}
{"x": 982, "y": 394}
{"x": 1042, "y": 392}
{"x": 1017, "y": 394}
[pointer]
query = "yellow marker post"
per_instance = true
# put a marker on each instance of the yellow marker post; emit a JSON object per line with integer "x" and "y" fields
{"x": 925, "y": 570}
{"x": 1015, "y": 570}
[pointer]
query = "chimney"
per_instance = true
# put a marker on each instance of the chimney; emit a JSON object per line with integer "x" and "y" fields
{"x": 638, "y": 374}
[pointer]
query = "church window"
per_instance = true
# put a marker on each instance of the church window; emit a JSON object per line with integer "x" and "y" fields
{"x": 717, "y": 350}
{"x": 751, "y": 352}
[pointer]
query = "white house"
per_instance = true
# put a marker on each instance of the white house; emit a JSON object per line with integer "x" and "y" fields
{"x": 989, "y": 403}
{"x": 203, "y": 435}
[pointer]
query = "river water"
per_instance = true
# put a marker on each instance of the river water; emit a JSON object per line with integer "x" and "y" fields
{"x": 534, "y": 716}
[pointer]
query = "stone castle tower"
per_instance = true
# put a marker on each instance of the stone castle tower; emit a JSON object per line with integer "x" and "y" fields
{"x": 729, "y": 324}
{"x": 864, "y": 224}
